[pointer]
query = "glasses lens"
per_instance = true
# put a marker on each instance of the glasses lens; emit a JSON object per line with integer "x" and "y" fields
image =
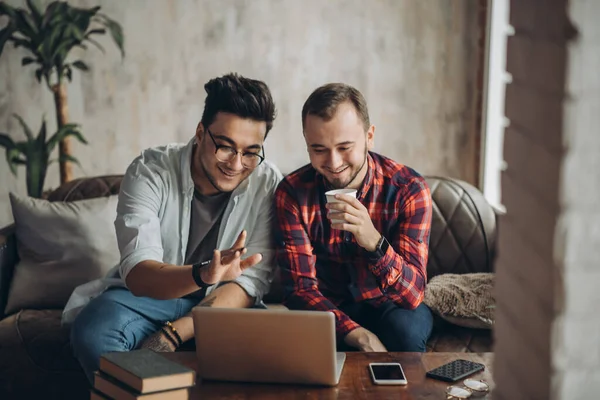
{"x": 458, "y": 392}
{"x": 250, "y": 160}
{"x": 476, "y": 386}
{"x": 225, "y": 154}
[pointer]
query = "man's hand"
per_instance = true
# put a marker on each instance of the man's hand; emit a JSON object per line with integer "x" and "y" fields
{"x": 158, "y": 342}
{"x": 356, "y": 220}
{"x": 364, "y": 340}
{"x": 227, "y": 265}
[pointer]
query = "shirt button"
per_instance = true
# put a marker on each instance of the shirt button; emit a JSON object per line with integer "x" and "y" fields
{"x": 347, "y": 238}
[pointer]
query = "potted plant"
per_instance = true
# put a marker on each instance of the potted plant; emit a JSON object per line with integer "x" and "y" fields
{"x": 49, "y": 36}
{"x": 35, "y": 152}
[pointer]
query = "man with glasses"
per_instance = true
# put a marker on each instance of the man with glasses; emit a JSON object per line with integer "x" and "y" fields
{"x": 363, "y": 258}
{"x": 193, "y": 227}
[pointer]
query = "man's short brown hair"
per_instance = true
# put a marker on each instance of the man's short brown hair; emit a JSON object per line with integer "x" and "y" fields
{"x": 325, "y": 100}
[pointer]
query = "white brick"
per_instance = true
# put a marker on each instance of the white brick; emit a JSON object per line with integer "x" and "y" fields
{"x": 582, "y": 114}
{"x": 580, "y": 236}
{"x": 582, "y": 76}
{"x": 581, "y": 180}
{"x": 580, "y": 385}
{"x": 584, "y": 300}
{"x": 580, "y": 342}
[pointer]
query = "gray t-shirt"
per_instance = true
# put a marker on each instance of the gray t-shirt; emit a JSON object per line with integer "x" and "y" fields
{"x": 206, "y": 216}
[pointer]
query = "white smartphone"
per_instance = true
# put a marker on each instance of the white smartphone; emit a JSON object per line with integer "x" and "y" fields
{"x": 387, "y": 374}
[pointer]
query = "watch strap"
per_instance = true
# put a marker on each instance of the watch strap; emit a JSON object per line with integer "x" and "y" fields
{"x": 196, "y": 274}
{"x": 380, "y": 249}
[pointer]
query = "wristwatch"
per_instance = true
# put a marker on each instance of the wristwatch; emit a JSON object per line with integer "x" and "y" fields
{"x": 380, "y": 249}
{"x": 196, "y": 274}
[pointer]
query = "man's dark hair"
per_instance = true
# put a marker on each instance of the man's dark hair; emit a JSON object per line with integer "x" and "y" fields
{"x": 234, "y": 94}
{"x": 325, "y": 100}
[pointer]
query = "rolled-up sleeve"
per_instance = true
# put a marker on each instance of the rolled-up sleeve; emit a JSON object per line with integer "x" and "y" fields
{"x": 137, "y": 224}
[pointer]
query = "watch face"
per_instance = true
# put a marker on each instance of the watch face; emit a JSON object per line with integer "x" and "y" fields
{"x": 383, "y": 246}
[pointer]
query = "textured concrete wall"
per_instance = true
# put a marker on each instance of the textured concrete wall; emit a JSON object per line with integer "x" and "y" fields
{"x": 576, "y": 328}
{"x": 415, "y": 61}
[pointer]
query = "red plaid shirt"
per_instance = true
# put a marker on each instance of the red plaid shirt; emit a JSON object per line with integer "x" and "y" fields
{"x": 321, "y": 267}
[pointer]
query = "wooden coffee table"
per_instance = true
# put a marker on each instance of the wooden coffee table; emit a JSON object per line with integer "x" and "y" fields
{"x": 355, "y": 382}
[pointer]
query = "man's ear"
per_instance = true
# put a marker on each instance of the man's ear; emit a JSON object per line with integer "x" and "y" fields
{"x": 199, "y": 132}
{"x": 371, "y": 137}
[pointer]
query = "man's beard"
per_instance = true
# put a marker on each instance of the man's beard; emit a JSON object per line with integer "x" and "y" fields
{"x": 211, "y": 179}
{"x": 338, "y": 184}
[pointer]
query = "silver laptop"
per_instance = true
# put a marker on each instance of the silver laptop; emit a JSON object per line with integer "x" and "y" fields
{"x": 271, "y": 346}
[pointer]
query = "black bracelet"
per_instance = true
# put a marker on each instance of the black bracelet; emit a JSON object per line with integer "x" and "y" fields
{"x": 173, "y": 341}
{"x": 196, "y": 274}
{"x": 174, "y": 332}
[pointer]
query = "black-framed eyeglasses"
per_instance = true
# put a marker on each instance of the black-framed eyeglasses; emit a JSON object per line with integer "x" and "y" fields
{"x": 227, "y": 153}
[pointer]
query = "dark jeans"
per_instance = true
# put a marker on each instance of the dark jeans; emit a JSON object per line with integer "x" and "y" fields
{"x": 398, "y": 329}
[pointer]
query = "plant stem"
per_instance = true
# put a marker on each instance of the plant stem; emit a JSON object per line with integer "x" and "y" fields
{"x": 62, "y": 117}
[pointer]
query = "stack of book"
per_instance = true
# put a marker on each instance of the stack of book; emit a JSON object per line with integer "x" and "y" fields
{"x": 141, "y": 374}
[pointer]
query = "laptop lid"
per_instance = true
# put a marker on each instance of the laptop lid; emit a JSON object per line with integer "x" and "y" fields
{"x": 271, "y": 346}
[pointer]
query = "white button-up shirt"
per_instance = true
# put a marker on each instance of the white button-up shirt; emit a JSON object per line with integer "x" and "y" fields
{"x": 154, "y": 213}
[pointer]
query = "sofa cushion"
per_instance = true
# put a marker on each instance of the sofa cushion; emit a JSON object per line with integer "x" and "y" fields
{"x": 61, "y": 245}
{"x": 36, "y": 360}
{"x": 463, "y": 229}
{"x": 462, "y": 299}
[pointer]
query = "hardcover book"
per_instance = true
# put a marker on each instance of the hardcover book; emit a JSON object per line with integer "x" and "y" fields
{"x": 146, "y": 371}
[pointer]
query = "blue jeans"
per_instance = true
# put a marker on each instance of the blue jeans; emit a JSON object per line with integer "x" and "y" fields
{"x": 119, "y": 321}
{"x": 399, "y": 329}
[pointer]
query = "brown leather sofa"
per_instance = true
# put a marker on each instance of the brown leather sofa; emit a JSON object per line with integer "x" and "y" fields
{"x": 35, "y": 356}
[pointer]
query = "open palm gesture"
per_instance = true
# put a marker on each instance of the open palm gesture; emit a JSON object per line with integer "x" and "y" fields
{"x": 227, "y": 265}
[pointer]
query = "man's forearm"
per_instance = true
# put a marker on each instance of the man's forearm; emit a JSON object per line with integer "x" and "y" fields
{"x": 161, "y": 281}
{"x": 230, "y": 295}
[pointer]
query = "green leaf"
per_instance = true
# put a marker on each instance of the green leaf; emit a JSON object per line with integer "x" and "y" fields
{"x": 41, "y": 139}
{"x": 28, "y": 132}
{"x": 27, "y": 60}
{"x": 63, "y": 132}
{"x": 25, "y": 24}
{"x": 24, "y": 43}
{"x": 95, "y": 32}
{"x": 35, "y": 12}
{"x": 96, "y": 44}
{"x": 68, "y": 73}
{"x": 49, "y": 14}
{"x": 117, "y": 33}
{"x": 68, "y": 158}
{"x": 5, "y": 9}
{"x": 81, "y": 65}
{"x": 13, "y": 159}
{"x": 37, "y": 166}
{"x": 6, "y": 141}
{"x": 5, "y": 35}
{"x": 38, "y": 74}
{"x": 78, "y": 136}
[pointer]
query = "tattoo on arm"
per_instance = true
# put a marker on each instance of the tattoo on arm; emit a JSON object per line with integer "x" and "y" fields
{"x": 208, "y": 301}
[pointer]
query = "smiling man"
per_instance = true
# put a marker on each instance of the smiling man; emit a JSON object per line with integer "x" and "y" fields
{"x": 186, "y": 216}
{"x": 369, "y": 268}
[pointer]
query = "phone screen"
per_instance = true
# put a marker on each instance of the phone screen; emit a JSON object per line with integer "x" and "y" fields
{"x": 388, "y": 372}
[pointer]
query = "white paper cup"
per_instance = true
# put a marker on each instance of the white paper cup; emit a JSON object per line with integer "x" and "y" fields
{"x": 331, "y": 199}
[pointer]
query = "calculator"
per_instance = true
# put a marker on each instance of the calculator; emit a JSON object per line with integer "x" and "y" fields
{"x": 455, "y": 370}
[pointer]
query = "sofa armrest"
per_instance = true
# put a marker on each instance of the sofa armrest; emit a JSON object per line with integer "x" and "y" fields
{"x": 8, "y": 259}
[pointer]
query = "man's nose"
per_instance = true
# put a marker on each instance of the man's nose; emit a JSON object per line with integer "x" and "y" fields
{"x": 335, "y": 160}
{"x": 236, "y": 163}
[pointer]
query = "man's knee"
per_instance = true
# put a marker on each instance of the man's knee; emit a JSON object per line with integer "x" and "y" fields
{"x": 94, "y": 324}
{"x": 407, "y": 330}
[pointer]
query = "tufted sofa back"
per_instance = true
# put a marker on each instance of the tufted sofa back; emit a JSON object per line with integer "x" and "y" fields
{"x": 463, "y": 228}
